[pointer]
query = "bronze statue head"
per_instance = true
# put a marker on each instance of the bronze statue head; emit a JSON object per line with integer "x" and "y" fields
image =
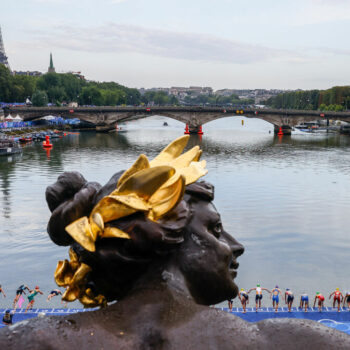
{"x": 152, "y": 216}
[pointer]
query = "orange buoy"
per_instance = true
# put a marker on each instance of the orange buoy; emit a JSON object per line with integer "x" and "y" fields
{"x": 187, "y": 131}
{"x": 280, "y": 132}
{"x": 46, "y": 143}
{"x": 200, "y": 131}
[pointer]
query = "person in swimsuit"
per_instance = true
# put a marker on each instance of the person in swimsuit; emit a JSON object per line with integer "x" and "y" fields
{"x": 230, "y": 303}
{"x": 304, "y": 301}
{"x": 346, "y": 299}
{"x": 338, "y": 297}
{"x": 7, "y": 319}
{"x": 258, "y": 296}
{"x": 19, "y": 292}
{"x": 2, "y": 291}
{"x": 31, "y": 296}
{"x": 289, "y": 298}
{"x": 320, "y": 299}
{"x": 275, "y": 297}
{"x": 244, "y": 298}
{"x": 56, "y": 292}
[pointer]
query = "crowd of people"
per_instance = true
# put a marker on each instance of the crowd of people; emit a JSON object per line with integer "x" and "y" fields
{"x": 288, "y": 296}
{"x": 19, "y": 300}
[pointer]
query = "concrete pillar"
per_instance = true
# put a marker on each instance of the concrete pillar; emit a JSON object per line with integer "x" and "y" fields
{"x": 193, "y": 129}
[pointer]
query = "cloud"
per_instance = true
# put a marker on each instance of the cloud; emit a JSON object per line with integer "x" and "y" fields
{"x": 120, "y": 38}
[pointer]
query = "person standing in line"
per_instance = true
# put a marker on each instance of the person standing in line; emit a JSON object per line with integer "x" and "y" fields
{"x": 289, "y": 298}
{"x": 19, "y": 292}
{"x": 275, "y": 297}
{"x": 304, "y": 301}
{"x": 320, "y": 299}
{"x": 31, "y": 296}
{"x": 2, "y": 291}
{"x": 258, "y": 296}
{"x": 338, "y": 297}
{"x": 244, "y": 298}
{"x": 346, "y": 299}
{"x": 230, "y": 303}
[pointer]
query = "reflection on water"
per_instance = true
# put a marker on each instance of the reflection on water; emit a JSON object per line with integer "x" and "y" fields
{"x": 286, "y": 199}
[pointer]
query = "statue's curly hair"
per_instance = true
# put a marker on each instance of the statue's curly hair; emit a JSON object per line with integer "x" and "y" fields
{"x": 117, "y": 263}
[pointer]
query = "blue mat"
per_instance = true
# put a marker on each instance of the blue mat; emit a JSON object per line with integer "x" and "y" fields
{"x": 328, "y": 317}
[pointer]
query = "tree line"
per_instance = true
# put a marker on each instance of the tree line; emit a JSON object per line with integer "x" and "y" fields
{"x": 57, "y": 89}
{"x": 336, "y": 99}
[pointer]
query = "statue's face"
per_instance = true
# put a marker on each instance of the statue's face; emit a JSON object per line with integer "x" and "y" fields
{"x": 208, "y": 256}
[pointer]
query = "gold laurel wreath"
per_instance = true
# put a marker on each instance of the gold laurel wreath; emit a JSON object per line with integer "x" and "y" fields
{"x": 153, "y": 187}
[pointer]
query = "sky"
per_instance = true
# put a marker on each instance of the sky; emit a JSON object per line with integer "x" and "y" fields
{"x": 237, "y": 44}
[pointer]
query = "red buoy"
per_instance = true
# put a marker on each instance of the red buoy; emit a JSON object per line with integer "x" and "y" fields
{"x": 280, "y": 132}
{"x": 187, "y": 131}
{"x": 46, "y": 143}
{"x": 200, "y": 131}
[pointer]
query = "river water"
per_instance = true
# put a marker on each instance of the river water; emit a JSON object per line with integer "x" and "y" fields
{"x": 287, "y": 200}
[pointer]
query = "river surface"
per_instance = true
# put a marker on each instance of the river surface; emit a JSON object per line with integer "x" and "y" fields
{"x": 287, "y": 200}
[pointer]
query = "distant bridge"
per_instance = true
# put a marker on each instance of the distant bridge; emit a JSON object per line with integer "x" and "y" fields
{"x": 105, "y": 118}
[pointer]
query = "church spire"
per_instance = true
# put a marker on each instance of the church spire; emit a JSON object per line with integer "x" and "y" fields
{"x": 51, "y": 67}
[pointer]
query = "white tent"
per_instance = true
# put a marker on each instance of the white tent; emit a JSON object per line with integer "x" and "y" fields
{"x": 9, "y": 118}
{"x": 48, "y": 117}
{"x": 17, "y": 119}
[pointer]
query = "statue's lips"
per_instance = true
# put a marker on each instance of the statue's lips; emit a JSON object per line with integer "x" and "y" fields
{"x": 233, "y": 266}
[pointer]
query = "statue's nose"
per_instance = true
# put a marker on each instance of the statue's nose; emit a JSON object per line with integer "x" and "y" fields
{"x": 237, "y": 249}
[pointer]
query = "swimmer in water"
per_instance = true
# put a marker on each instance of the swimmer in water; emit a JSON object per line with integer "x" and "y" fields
{"x": 54, "y": 293}
{"x": 31, "y": 296}
{"x": 258, "y": 296}
{"x": 320, "y": 299}
{"x": 244, "y": 298}
{"x": 304, "y": 301}
{"x": 338, "y": 297}
{"x": 275, "y": 297}
{"x": 289, "y": 298}
{"x": 346, "y": 299}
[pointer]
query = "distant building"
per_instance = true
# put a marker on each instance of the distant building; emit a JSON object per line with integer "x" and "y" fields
{"x": 28, "y": 73}
{"x": 3, "y": 57}
{"x": 51, "y": 67}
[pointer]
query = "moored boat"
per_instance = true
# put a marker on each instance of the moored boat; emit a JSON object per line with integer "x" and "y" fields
{"x": 8, "y": 147}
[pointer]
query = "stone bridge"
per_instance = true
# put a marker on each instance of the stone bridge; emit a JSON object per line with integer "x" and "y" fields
{"x": 105, "y": 118}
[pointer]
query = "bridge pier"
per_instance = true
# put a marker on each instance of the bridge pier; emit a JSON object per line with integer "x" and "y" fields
{"x": 286, "y": 129}
{"x": 195, "y": 129}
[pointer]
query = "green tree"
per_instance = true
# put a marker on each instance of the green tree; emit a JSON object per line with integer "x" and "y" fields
{"x": 39, "y": 98}
{"x": 5, "y": 84}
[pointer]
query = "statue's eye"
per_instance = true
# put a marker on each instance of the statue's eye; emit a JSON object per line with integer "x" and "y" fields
{"x": 217, "y": 229}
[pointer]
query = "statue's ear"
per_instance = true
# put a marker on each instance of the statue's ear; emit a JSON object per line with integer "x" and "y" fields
{"x": 201, "y": 189}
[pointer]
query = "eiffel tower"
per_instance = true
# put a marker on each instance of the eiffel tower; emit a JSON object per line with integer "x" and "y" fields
{"x": 3, "y": 57}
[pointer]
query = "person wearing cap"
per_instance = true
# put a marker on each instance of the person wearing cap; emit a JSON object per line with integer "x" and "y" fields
{"x": 346, "y": 299}
{"x": 338, "y": 297}
{"x": 20, "y": 290}
{"x": 275, "y": 297}
{"x": 258, "y": 296}
{"x": 2, "y": 291}
{"x": 7, "y": 319}
{"x": 304, "y": 301}
{"x": 31, "y": 296}
{"x": 289, "y": 298}
{"x": 56, "y": 292}
{"x": 320, "y": 299}
{"x": 244, "y": 298}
